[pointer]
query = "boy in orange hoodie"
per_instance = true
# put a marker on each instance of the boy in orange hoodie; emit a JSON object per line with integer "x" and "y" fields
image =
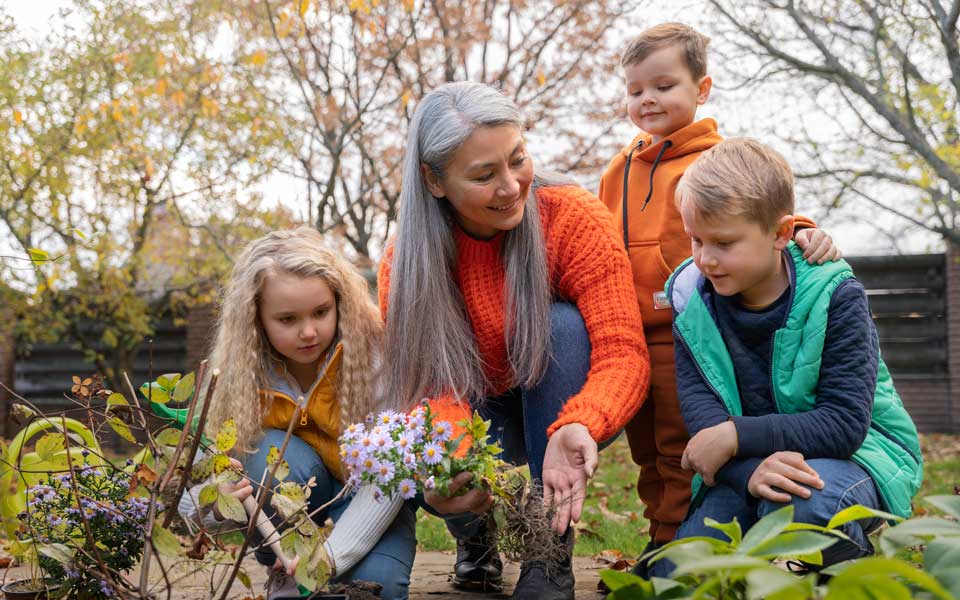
{"x": 665, "y": 69}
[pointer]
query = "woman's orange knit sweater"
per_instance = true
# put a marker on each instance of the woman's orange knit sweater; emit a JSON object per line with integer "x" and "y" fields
{"x": 587, "y": 267}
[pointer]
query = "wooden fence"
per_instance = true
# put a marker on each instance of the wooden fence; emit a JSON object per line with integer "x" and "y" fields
{"x": 908, "y": 297}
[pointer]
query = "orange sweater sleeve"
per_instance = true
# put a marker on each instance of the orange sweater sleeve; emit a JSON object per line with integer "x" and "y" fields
{"x": 592, "y": 271}
{"x": 802, "y": 222}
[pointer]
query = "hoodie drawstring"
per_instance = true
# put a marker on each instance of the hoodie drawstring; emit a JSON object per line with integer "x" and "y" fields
{"x": 626, "y": 183}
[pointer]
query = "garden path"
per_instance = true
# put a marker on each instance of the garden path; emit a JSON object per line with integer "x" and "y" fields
{"x": 430, "y": 580}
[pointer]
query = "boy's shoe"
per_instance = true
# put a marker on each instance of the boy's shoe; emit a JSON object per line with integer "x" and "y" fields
{"x": 478, "y": 567}
{"x": 641, "y": 568}
{"x": 801, "y": 568}
{"x": 542, "y": 581}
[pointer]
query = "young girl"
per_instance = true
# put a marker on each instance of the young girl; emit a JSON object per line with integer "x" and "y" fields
{"x": 297, "y": 321}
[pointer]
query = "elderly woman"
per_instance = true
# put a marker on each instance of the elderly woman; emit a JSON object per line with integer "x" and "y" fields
{"x": 510, "y": 294}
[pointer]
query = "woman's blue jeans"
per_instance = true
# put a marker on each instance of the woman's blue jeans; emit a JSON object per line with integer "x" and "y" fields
{"x": 389, "y": 562}
{"x": 845, "y": 484}
{"x": 519, "y": 418}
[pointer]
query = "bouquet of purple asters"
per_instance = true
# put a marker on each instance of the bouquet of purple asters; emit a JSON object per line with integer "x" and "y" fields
{"x": 400, "y": 453}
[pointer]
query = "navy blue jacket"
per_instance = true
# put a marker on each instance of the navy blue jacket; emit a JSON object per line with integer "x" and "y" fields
{"x": 837, "y": 425}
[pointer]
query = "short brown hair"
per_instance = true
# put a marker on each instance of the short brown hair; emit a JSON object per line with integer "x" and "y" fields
{"x": 739, "y": 177}
{"x": 692, "y": 42}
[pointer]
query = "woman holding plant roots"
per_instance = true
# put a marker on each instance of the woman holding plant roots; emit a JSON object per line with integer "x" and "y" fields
{"x": 513, "y": 293}
{"x": 298, "y": 327}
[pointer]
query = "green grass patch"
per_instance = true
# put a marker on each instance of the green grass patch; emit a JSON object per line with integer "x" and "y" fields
{"x": 612, "y": 516}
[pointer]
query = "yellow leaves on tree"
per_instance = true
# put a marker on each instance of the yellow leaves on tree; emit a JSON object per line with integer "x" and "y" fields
{"x": 258, "y": 58}
{"x": 409, "y": 5}
{"x": 360, "y": 5}
{"x": 18, "y": 117}
{"x": 209, "y": 107}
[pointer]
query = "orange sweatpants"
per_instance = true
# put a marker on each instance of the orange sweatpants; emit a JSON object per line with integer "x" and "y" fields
{"x": 657, "y": 437}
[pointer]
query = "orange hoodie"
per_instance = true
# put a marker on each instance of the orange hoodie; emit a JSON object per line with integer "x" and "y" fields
{"x": 657, "y": 242}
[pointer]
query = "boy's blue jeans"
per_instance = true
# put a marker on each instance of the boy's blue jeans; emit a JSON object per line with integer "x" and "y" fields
{"x": 389, "y": 562}
{"x": 845, "y": 484}
{"x": 519, "y": 418}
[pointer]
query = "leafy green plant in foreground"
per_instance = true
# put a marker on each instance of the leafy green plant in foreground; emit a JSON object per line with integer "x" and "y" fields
{"x": 740, "y": 567}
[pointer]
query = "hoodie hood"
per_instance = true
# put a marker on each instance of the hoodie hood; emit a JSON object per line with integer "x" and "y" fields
{"x": 696, "y": 137}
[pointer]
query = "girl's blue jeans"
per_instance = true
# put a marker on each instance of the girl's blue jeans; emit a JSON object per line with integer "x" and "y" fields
{"x": 845, "y": 484}
{"x": 519, "y": 418}
{"x": 389, "y": 562}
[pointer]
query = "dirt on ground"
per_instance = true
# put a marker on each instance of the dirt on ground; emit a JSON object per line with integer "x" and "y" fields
{"x": 430, "y": 580}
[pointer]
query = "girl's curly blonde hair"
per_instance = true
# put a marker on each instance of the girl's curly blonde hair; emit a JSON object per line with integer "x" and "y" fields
{"x": 244, "y": 355}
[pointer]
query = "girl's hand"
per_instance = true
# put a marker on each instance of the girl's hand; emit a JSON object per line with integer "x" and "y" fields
{"x": 291, "y": 569}
{"x": 709, "y": 450}
{"x": 476, "y": 500}
{"x": 817, "y": 246}
{"x": 570, "y": 460}
{"x": 787, "y": 471}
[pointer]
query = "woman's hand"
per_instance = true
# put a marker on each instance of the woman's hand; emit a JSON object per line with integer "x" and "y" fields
{"x": 476, "y": 500}
{"x": 570, "y": 460}
{"x": 817, "y": 246}
{"x": 709, "y": 450}
{"x": 786, "y": 471}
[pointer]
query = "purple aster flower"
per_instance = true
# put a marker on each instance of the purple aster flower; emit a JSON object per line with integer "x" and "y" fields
{"x": 441, "y": 431}
{"x": 385, "y": 471}
{"x": 432, "y": 453}
{"x": 407, "y": 488}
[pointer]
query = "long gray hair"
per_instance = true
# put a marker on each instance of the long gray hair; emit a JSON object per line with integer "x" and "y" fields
{"x": 430, "y": 345}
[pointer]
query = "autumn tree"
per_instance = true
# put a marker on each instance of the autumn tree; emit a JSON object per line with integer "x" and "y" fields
{"x": 123, "y": 144}
{"x": 346, "y": 75}
{"x": 881, "y": 80}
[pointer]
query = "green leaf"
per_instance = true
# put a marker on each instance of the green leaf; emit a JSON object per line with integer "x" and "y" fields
{"x": 273, "y": 455}
{"x": 878, "y": 571}
{"x": 61, "y": 553}
{"x": 908, "y": 533}
{"x": 628, "y": 582}
{"x": 183, "y": 390}
{"x": 857, "y": 512}
{"x": 221, "y": 463}
{"x": 165, "y": 542}
{"x": 244, "y": 579}
{"x": 731, "y": 529}
{"x": 765, "y": 583}
{"x": 117, "y": 399}
{"x": 729, "y": 562}
{"x": 155, "y": 393}
{"x": 168, "y": 381}
{"x": 286, "y": 507}
{"x": 49, "y": 445}
{"x": 227, "y": 436}
{"x": 122, "y": 429}
{"x": 202, "y": 469}
{"x": 38, "y": 255}
{"x": 231, "y": 508}
{"x": 304, "y": 577}
{"x": 948, "y": 504}
{"x": 208, "y": 495}
{"x": 792, "y": 543}
{"x": 766, "y": 528}
{"x": 168, "y": 437}
{"x": 941, "y": 554}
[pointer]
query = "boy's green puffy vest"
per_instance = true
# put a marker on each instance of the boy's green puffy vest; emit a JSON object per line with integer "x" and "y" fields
{"x": 891, "y": 450}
